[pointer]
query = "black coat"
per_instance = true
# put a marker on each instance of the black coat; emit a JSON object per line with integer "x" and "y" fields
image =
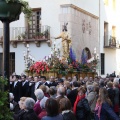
{"x": 16, "y": 90}
{"x": 72, "y": 96}
{"x": 32, "y": 90}
{"x": 11, "y": 86}
{"x": 111, "y": 95}
{"x": 83, "y": 110}
{"x": 25, "y": 90}
{"x": 19, "y": 115}
{"x": 29, "y": 115}
{"x": 69, "y": 116}
{"x": 107, "y": 113}
{"x": 52, "y": 84}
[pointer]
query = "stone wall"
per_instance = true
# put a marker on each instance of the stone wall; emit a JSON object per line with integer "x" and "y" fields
{"x": 82, "y": 27}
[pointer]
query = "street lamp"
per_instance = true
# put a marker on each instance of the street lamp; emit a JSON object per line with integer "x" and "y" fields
{"x": 8, "y": 15}
{"x": 28, "y": 59}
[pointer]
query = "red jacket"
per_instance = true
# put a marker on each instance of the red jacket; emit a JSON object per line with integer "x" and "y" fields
{"x": 42, "y": 114}
{"x": 37, "y": 108}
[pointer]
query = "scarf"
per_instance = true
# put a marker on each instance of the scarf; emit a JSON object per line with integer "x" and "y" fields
{"x": 98, "y": 109}
{"x": 76, "y": 102}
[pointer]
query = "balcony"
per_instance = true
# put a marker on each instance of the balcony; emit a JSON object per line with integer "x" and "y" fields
{"x": 25, "y": 35}
{"x": 111, "y": 42}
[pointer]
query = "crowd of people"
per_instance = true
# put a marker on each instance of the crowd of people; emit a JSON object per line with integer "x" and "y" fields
{"x": 36, "y": 98}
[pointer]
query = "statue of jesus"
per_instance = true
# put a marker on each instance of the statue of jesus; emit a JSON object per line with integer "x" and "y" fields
{"x": 66, "y": 41}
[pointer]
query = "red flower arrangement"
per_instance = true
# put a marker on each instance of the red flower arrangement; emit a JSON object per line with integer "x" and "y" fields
{"x": 39, "y": 67}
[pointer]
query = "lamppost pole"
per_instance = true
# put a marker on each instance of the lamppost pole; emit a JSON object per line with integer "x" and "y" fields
{"x": 6, "y": 50}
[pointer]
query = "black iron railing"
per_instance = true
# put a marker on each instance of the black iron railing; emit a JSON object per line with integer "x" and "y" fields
{"x": 110, "y": 41}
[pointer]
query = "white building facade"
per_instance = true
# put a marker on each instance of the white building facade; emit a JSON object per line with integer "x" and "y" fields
{"x": 91, "y": 24}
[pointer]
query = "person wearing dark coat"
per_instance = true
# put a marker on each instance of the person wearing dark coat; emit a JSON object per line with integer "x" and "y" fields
{"x": 103, "y": 109}
{"x": 43, "y": 80}
{"x": 52, "y": 108}
{"x": 29, "y": 114}
{"x": 111, "y": 93}
{"x": 11, "y": 83}
{"x": 33, "y": 86}
{"x": 15, "y": 104}
{"x": 25, "y": 86}
{"x": 107, "y": 113}
{"x": 16, "y": 89}
{"x": 81, "y": 106}
{"x": 66, "y": 109}
{"x": 73, "y": 94}
{"x": 19, "y": 114}
{"x": 52, "y": 82}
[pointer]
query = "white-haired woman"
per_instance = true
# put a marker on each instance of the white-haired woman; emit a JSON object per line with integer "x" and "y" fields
{"x": 42, "y": 105}
{"x": 13, "y": 105}
{"x": 39, "y": 95}
{"x": 29, "y": 112}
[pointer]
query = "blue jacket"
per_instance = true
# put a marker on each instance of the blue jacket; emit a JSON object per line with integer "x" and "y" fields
{"x": 107, "y": 113}
{"x": 58, "y": 117}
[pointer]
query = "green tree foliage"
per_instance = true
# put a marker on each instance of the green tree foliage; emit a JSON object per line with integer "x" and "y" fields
{"x": 5, "y": 113}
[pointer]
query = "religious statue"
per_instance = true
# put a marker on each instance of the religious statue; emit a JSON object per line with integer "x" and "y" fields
{"x": 66, "y": 41}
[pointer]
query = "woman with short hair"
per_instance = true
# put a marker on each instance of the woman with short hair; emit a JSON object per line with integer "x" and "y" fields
{"x": 42, "y": 105}
{"x": 21, "y": 112}
{"x": 66, "y": 109}
{"x": 29, "y": 114}
{"x": 52, "y": 108}
{"x": 52, "y": 93}
{"x": 44, "y": 89}
{"x": 39, "y": 95}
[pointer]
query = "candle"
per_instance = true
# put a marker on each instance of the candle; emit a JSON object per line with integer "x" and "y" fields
{"x": 46, "y": 58}
{"x": 23, "y": 53}
{"x": 95, "y": 50}
{"x": 33, "y": 59}
{"x": 54, "y": 42}
{"x": 51, "y": 52}
{"x": 97, "y": 56}
{"x": 49, "y": 56}
{"x": 27, "y": 45}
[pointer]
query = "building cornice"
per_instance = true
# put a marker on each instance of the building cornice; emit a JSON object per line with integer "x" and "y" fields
{"x": 80, "y": 9}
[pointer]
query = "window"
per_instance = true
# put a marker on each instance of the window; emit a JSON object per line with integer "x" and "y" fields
{"x": 35, "y": 23}
{"x": 11, "y": 63}
{"x": 102, "y": 63}
{"x": 105, "y": 33}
